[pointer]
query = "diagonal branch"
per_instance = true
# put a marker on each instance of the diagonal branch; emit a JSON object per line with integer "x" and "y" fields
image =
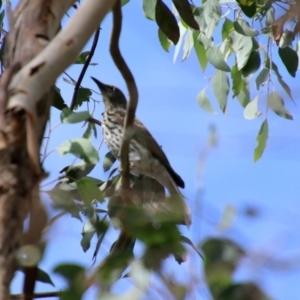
{"x": 85, "y": 66}
{"x": 133, "y": 96}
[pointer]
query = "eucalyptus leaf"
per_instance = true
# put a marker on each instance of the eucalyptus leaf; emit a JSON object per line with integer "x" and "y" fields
{"x": 251, "y": 111}
{"x": 261, "y": 138}
{"x": 68, "y": 116}
{"x": 81, "y": 148}
{"x": 262, "y": 77}
{"x": 164, "y": 41}
{"x": 204, "y": 102}
{"x": 275, "y": 102}
{"x": 220, "y": 86}
{"x": 242, "y": 27}
{"x": 215, "y": 57}
{"x": 200, "y": 51}
{"x": 290, "y": 59}
{"x": 237, "y": 80}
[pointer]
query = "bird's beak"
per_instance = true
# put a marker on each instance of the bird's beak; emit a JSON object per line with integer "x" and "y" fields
{"x": 101, "y": 86}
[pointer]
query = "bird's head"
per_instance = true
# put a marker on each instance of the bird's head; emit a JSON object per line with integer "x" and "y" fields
{"x": 112, "y": 96}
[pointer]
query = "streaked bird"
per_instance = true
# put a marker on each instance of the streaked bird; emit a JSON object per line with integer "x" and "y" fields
{"x": 146, "y": 157}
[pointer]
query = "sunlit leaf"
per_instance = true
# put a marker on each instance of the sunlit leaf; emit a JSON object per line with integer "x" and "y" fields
{"x": 68, "y": 116}
{"x": 166, "y": 21}
{"x": 275, "y": 102}
{"x": 204, "y": 102}
{"x": 81, "y": 148}
{"x": 242, "y": 27}
{"x": 212, "y": 16}
{"x": 261, "y": 138}
{"x": 242, "y": 46}
{"x": 82, "y": 57}
{"x": 244, "y": 96}
{"x": 188, "y": 44}
{"x": 87, "y": 233}
{"x": 182, "y": 31}
{"x": 251, "y": 111}
{"x": 215, "y": 57}
{"x": 285, "y": 87}
{"x": 262, "y": 77}
{"x": 204, "y": 40}
{"x": 237, "y": 80}
{"x": 286, "y": 39}
{"x": 220, "y": 85}
{"x": 226, "y": 28}
{"x": 149, "y": 9}
{"x": 200, "y": 51}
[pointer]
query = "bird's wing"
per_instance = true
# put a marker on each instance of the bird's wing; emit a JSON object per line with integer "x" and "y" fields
{"x": 143, "y": 136}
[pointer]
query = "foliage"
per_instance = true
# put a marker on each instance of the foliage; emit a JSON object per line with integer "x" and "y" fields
{"x": 232, "y": 41}
{"x": 247, "y": 30}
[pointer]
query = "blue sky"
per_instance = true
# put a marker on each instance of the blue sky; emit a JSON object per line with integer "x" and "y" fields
{"x": 168, "y": 107}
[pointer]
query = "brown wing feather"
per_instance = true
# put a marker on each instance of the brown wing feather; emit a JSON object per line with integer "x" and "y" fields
{"x": 143, "y": 136}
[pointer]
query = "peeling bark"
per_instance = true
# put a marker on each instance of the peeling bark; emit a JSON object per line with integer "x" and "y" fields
{"x": 32, "y": 25}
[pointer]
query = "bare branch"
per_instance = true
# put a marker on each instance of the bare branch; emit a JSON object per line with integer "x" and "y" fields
{"x": 133, "y": 96}
{"x": 85, "y": 66}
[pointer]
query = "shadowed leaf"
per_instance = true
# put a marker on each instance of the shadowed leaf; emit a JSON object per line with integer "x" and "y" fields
{"x": 261, "y": 140}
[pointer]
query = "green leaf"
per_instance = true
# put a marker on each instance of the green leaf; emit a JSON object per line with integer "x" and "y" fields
{"x": 67, "y": 116}
{"x": 75, "y": 276}
{"x": 88, "y": 231}
{"x": 251, "y": 110}
{"x": 252, "y": 65}
{"x": 58, "y": 101}
{"x": 290, "y": 59}
{"x": 165, "y": 43}
{"x": 242, "y": 27}
{"x": 212, "y": 16}
{"x": 285, "y": 87}
{"x": 237, "y": 80}
{"x": 188, "y": 44}
{"x": 44, "y": 277}
{"x": 89, "y": 190}
{"x": 220, "y": 86}
{"x": 108, "y": 161}
{"x": 62, "y": 196}
{"x": 226, "y": 28}
{"x": 200, "y": 51}
{"x": 262, "y": 77}
{"x": 244, "y": 96}
{"x": 275, "y": 102}
{"x": 215, "y": 57}
{"x": 91, "y": 127}
{"x": 76, "y": 172}
{"x": 149, "y": 9}
{"x": 124, "y": 2}
{"x": 83, "y": 95}
{"x": 242, "y": 46}
{"x": 81, "y": 148}
{"x": 247, "y": 7}
{"x": 166, "y": 21}
{"x": 270, "y": 17}
{"x": 204, "y": 40}
{"x": 204, "y": 102}
{"x": 82, "y": 57}
{"x": 262, "y": 140}
{"x": 185, "y": 11}
{"x": 286, "y": 39}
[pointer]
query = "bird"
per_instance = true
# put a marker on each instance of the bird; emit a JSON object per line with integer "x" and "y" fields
{"x": 146, "y": 157}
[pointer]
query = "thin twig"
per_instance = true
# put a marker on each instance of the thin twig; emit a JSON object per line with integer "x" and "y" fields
{"x": 85, "y": 66}
{"x": 37, "y": 295}
{"x": 95, "y": 121}
{"x": 133, "y": 96}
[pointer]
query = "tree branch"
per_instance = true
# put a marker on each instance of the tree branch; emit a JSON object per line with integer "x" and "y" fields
{"x": 133, "y": 97}
{"x": 85, "y": 66}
